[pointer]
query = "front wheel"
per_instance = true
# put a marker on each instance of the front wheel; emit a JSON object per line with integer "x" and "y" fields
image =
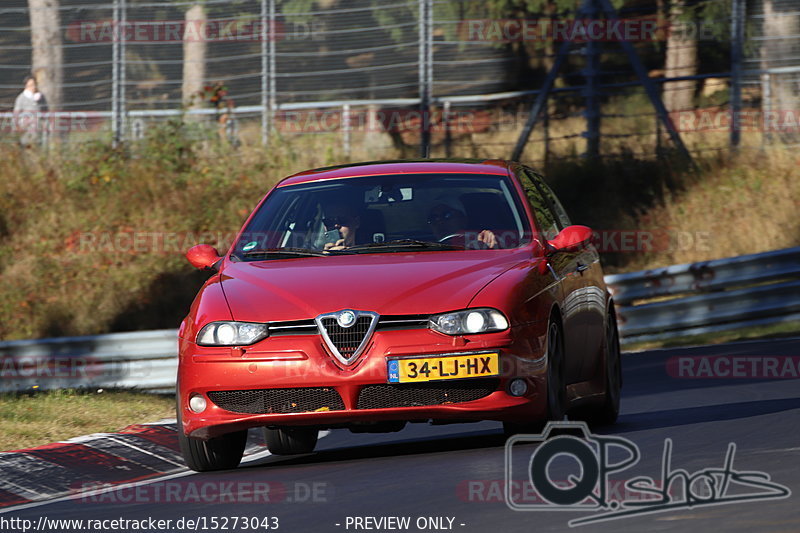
{"x": 291, "y": 441}
{"x": 556, "y": 388}
{"x": 219, "y": 453}
{"x": 607, "y": 413}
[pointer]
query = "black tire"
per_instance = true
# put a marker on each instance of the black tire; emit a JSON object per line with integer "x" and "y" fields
{"x": 291, "y": 441}
{"x": 556, "y": 388}
{"x": 607, "y": 412}
{"x": 219, "y": 453}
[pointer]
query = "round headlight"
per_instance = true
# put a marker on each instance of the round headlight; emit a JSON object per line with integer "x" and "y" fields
{"x": 475, "y": 322}
{"x": 226, "y": 334}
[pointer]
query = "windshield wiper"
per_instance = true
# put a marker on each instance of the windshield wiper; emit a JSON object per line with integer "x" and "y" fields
{"x": 405, "y": 243}
{"x": 293, "y": 252}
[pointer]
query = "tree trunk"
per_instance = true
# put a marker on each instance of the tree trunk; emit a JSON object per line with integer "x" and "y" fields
{"x": 681, "y": 60}
{"x": 194, "y": 57}
{"x": 48, "y": 56}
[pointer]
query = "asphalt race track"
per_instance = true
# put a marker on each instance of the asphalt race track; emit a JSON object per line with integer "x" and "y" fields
{"x": 452, "y": 477}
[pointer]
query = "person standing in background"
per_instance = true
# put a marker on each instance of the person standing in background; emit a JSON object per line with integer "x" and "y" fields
{"x": 28, "y": 109}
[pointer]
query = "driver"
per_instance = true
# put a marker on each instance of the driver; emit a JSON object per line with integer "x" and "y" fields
{"x": 343, "y": 217}
{"x": 448, "y": 220}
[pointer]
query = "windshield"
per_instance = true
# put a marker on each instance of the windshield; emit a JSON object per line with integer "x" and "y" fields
{"x": 428, "y": 212}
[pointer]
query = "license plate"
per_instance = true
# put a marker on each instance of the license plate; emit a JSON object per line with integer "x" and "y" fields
{"x": 417, "y": 369}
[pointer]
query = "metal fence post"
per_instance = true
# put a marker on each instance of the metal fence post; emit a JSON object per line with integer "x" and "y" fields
{"x": 766, "y": 108}
{"x": 265, "y": 34}
{"x": 737, "y": 43}
{"x": 115, "y": 64}
{"x": 346, "y": 129}
{"x": 123, "y": 107}
{"x": 272, "y": 64}
{"x": 424, "y": 95}
{"x": 429, "y": 64}
{"x": 448, "y": 135}
{"x": 591, "y": 71}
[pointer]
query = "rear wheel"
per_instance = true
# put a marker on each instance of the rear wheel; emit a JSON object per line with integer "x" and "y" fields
{"x": 291, "y": 441}
{"x": 219, "y": 453}
{"x": 556, "y": 388}
{"x": 608, "y": 411}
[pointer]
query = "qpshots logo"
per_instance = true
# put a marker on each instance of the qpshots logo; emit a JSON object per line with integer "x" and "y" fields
{"x": 601, "y": 458}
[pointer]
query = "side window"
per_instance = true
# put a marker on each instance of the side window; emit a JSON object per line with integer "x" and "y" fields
{"x": 555, "y": 204}
{"x": 545, "y": 218}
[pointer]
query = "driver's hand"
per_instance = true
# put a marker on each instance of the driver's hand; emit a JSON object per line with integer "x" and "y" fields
{"x": 338, "y": 245}
{"x": 488, "y": 238}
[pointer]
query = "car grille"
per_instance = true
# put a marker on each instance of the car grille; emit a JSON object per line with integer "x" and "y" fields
{"x": 308, "y": 327}
{"x": 391, "y": 322}
{"x": 291, "y": 400}
{"x": 347, "y": 340}
{"x": 418, "y": 394}
{"x": 292, "y": 327}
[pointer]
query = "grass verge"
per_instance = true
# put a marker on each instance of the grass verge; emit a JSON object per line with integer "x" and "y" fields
{"x": 28, "y": 420}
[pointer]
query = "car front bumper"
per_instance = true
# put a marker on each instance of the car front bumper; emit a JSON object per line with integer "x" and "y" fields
{"x": 302, "y": 362}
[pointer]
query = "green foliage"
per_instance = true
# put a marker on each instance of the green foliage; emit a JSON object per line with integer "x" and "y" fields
{"x": 297, "y": 10}
{"x": 99, "y": 165}
{"x": 172, "y": 143}
{"x": 712, "y": 21}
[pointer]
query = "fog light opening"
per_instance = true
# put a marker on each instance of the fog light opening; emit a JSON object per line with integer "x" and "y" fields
{"x": 197, "y": 403}
{"x": 518, "y": 387}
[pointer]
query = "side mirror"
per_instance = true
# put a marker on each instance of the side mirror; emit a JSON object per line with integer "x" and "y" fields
{"x": 571, "y": 238}
{"x": 203, "y": 256}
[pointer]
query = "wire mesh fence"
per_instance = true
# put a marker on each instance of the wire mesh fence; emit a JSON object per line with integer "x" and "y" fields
{"x": 772, "y": 64}
{"x": 457, "y": 76}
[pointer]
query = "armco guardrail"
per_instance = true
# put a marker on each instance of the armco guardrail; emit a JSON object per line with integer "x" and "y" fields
{"x": 144, "y": 360}
{"x": 708, "y": 296}
{"x": 689, "y": 299}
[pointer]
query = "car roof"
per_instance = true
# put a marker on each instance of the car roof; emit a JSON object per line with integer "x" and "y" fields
{"x": 419, "y": 166}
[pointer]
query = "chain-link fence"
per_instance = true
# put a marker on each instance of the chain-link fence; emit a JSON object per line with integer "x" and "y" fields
{"x": 456, "y": 76}
{"x": 772, "y": 63}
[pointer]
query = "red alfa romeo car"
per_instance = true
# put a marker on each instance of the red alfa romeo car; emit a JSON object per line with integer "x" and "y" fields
{"x": 372, "y": 295}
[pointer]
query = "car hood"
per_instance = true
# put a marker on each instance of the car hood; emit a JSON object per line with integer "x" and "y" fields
{"x": 389, "y": 284}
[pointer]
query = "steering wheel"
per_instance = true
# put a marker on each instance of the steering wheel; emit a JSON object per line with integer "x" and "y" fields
{"x": 451, "y": 236}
